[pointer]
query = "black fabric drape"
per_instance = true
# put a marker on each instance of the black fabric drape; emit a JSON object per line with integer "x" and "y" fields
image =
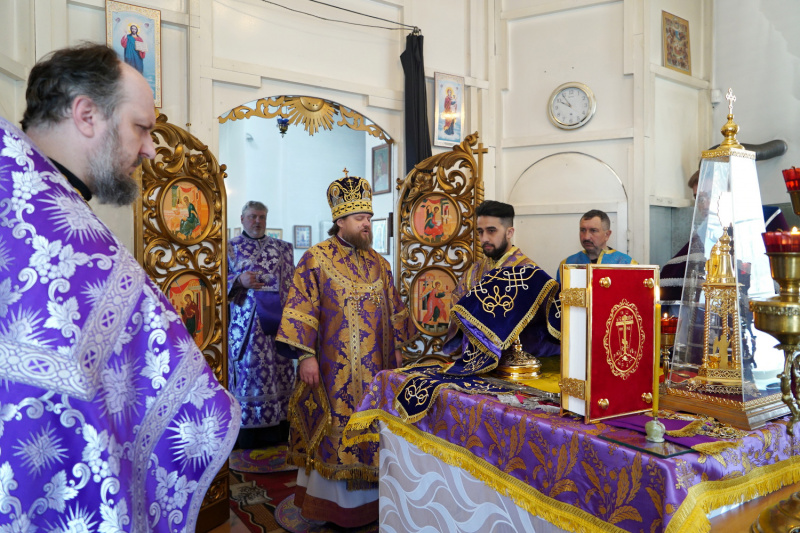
{"x": 418, "y": 137}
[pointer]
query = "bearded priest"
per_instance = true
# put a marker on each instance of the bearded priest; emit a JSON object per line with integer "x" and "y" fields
{"x": 538, "y": 322}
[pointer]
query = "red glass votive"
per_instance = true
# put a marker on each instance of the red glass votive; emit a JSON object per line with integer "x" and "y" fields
{"x": 669, "y": 325}
{"x": 781, "y": 241}
{"x": 792, "y": 178}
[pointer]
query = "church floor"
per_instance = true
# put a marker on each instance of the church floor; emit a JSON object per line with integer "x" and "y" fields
{"x": 234, "y": 525}
{"x": 738, "y": 520}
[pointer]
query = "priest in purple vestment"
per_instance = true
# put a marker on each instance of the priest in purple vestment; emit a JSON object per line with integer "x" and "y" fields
{"x": 110, "y": 417}
{"x": 260, "y": 271}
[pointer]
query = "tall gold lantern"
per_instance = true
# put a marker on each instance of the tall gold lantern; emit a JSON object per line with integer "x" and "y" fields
{"x": 722, "y": 365}
{"x": 721, "y": 369}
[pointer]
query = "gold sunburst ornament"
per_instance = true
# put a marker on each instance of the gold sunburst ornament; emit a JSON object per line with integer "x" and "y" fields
{"x": 311, "y": 113}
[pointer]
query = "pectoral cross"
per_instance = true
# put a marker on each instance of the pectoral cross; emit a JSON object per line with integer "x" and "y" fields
{"x": 731, "y": 99}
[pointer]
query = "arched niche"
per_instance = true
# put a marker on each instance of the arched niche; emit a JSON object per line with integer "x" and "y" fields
{"x": 290, "y": 172}
{"x": 549, "y": 198}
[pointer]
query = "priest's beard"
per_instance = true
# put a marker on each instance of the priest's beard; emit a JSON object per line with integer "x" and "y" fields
{"x": 111, "y": 182}
{"x": 496, "y": 253}
{"x": 360, "y": 240}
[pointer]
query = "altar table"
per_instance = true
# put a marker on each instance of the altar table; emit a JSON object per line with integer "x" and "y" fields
{"x": 556, "y": 470}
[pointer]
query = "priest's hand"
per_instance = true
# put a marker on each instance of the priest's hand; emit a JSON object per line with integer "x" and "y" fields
{"x": 308, "y": 370}
{"x": 250, "y": 280}
{"x": 398, "y": 356}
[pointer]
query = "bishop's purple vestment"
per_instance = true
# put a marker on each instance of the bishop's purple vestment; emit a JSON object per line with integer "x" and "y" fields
{"x": 110, "y": 418}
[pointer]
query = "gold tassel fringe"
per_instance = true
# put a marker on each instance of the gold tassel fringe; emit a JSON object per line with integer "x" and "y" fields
{"x": 560, "y": 514}
{"x": 690, "y": 517}
{"x": 690, "y": 430}
{"x": 709, "y": 495}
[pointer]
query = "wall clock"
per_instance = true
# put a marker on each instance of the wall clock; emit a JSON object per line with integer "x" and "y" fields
{"x": 571, "y": 105}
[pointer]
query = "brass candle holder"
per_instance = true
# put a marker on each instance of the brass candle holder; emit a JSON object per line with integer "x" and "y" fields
{"x": 517, "y": 364}
{"x": 780, "y": 317}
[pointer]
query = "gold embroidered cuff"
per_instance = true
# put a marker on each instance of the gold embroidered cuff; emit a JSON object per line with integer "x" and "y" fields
{"x": 308, "y": 320}
{"x": 304, "y": 357}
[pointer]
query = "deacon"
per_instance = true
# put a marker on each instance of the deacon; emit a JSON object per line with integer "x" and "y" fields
{"x": 595, "y": 230}
{"x": 110, "y": 417}
{"x": 540, "y": 328}
{"x": 260, "y": 272}
{"x": 346, "y": 320}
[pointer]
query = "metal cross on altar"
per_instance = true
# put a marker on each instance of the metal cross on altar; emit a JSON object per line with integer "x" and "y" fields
{"x": 731, "y": 99}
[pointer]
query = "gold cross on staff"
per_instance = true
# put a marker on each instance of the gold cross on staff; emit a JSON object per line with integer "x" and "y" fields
{"x": 345, "y": 172}
{"x": 731, "y": 99}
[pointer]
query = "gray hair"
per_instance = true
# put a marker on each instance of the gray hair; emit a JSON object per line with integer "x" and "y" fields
{"x": 604, "y": 220}
{"x": 256, "y": 205}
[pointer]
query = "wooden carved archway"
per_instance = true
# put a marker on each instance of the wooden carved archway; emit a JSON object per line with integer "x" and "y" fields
{"x": 181, "y": 244}
{"x": 438, "y": 239}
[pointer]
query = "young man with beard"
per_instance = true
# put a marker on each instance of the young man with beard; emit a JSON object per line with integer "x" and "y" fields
{"x": 345, "y": 320}
{"x": 110, "y": 413}
{"x": 495, "y": 224}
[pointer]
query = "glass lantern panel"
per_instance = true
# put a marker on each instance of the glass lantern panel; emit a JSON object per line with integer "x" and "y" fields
{"x": 715, "y": 325}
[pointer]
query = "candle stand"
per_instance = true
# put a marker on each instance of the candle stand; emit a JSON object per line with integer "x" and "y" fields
{"x": 780, "y": 317}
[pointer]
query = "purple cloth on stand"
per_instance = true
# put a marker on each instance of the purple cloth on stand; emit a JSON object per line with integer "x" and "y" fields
{"x": 268, "y": 310}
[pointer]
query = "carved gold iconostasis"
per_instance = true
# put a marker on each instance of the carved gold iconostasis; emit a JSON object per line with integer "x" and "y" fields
{"x": 437, "y": 238}
{"x": 310, "y": 112}
{"x": 181, "y": 244}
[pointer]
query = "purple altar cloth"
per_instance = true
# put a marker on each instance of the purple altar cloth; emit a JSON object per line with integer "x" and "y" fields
{"x": 576, "y": 480}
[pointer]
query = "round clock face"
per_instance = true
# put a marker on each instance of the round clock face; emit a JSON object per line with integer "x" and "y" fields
{"x": 571, "y": 105}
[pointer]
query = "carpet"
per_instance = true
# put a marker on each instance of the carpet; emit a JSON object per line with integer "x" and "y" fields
{"x": 255, "y": 496}
{"x": 260, "y": 461}
{"x": 264, "y": 500}
{"x": 288, "y": 516}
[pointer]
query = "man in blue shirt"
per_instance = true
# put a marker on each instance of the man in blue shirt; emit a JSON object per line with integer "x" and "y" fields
{"x": 595, "y": 232}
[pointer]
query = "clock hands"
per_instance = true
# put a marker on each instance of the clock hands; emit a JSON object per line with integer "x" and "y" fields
{"x": 565, "y": 101}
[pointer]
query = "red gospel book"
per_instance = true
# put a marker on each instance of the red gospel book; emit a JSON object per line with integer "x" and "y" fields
{"x": 608, "y": 339}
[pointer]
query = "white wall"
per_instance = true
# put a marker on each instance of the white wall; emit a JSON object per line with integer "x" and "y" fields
{"x": 650, "y": 125}
{"x": 290, "y": 174}
{"x": 758, "y": 56}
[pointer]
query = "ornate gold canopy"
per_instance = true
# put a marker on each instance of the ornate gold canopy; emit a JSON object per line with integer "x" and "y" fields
{"x": 181, "y": 243}
{"x": 437, "y": 237}
{"x": 312, "y": 113}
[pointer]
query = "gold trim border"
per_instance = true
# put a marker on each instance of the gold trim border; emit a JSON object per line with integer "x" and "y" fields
{"x": 573, "y": 297}
{"x": 573, "y": 387}
{"x": 690, "y": 516}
